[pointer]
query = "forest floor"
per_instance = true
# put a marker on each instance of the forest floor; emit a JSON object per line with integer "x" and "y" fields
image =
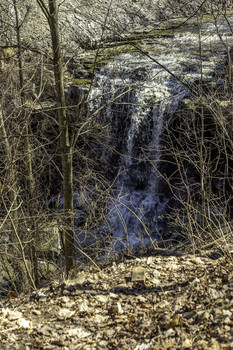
{"x": 186, "y": 302}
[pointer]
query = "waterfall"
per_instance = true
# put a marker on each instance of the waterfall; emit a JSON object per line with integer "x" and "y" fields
{"x": 138, "y": 95}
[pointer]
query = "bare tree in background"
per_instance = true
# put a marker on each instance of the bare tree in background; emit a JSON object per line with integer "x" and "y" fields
{"x": 15, "y": 134}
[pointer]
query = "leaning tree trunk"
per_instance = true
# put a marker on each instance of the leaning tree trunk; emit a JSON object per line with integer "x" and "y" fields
{"x": 66, "y": 150}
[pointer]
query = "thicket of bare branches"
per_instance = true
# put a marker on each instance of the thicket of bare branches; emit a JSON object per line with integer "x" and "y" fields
{"x": 200, "y": 158}
{"x": 31, "y": 166}
{"x": 200, "y": 155}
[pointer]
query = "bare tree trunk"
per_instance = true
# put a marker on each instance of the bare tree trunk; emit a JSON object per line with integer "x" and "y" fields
{"x": 12, "y": 172}
{"x": 66, "y": 150}
{"x": 28, "y": 151}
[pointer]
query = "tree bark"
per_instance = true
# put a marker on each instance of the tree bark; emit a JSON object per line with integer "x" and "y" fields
{"x": 30, "y": 176}
{"x": 66, "y": 150}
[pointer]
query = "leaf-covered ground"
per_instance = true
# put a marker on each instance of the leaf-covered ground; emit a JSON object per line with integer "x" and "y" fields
{"x": 185, "y": 303}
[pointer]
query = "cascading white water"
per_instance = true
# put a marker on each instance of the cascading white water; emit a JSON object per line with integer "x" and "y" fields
{"x": 138, "y": 94}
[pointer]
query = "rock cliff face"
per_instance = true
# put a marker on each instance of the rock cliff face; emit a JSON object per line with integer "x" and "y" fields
{"x": 83, "y": 23}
